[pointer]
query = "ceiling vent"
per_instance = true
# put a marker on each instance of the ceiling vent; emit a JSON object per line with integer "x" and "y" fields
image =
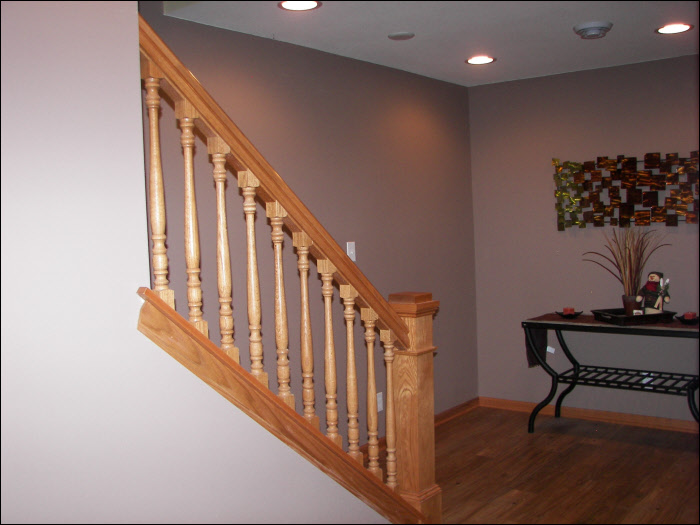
{"x": 591, "y": 30}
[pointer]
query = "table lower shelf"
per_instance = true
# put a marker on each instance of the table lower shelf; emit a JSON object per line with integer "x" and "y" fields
{"x": 630, "y": 379}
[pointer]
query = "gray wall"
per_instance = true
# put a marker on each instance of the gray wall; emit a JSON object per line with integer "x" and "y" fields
{"x": 525, "y": 267}
{"x": 99, "y": 425}
{"x": 379, "y": 156}
{"x": 364, "y": 146}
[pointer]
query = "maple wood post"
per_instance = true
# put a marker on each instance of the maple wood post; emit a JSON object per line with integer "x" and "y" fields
{"x": 414, "y": 405}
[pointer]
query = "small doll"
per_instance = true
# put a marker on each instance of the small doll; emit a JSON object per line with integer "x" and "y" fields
{"x": 654, "y": 293}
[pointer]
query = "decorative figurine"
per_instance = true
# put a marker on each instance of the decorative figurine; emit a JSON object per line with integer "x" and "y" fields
{"x": 654, "y": 293}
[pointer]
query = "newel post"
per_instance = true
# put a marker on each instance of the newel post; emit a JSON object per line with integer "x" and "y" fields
{"x": 415, "y": 406}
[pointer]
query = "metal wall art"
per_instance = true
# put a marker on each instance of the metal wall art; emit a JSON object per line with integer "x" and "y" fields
{"x": 617, "y": 192}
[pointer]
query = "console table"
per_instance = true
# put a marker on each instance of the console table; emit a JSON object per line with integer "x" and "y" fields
{"x": 601, "y": 376}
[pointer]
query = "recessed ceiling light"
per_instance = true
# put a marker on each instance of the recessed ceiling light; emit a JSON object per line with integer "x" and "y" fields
{"x": 402, "y": 35}
{"x": 299, "y": 6}
{"x": 672, "y": 29}
{"x": 480, "y": 60}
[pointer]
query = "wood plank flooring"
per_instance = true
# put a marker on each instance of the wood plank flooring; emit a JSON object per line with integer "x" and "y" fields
{"x": 568, "y": 471}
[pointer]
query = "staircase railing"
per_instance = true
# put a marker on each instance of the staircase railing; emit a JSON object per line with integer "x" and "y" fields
{"x": 404, "y": 322}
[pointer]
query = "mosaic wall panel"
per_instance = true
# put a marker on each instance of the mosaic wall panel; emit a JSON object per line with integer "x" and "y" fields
{"x": 626, "y": 191}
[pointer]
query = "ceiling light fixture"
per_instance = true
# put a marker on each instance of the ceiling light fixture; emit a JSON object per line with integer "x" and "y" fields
{"x": 672, "y": 29}
{"x": 480, "y": 60}
{"x": 298, "y": 6}
{"x": 592, "y": 30}
{"x": 402, "y": 35}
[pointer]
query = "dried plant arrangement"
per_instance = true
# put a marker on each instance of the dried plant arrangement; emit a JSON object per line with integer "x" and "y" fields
{"x": 629, "y": 252}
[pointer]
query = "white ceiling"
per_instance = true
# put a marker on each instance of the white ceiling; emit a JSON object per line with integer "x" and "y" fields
{"x": 528, "y": 39}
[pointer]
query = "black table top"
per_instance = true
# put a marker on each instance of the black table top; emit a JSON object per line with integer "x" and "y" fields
{"x": 588, "y": 323}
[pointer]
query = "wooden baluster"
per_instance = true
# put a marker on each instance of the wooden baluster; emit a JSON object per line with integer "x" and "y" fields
{"x": 249, "y": 184}
{"x": 186, "y": 113}
{"x": 387, "y": 337}
{"x": 276, "y": 214}
{"x": 218, "y": 150}
{"x": 326, "y": 269}
{"x": 370, "y": 319}
{"x": 156, "y": 194}
{"x": 349, "y": 294}
{"x": 302, "y": 243}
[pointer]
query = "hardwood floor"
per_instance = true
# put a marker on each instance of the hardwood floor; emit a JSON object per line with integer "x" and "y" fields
{"x": 568, "y": 471}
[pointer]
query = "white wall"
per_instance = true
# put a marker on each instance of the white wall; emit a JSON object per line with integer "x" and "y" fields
{"x": 98, "y": 424}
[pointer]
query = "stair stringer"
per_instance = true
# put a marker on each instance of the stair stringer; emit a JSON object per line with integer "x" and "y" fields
{"x": 187, "y": 345}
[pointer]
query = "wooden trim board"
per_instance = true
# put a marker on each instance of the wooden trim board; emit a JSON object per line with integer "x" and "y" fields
{"x": 660, "y": 423}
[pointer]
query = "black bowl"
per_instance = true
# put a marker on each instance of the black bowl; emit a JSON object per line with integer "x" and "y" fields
{"x": 570, "y": 316}
{"x": 691, "y": 322}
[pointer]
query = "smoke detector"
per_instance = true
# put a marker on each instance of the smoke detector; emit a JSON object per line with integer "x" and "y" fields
{"x": 591, "y": 30}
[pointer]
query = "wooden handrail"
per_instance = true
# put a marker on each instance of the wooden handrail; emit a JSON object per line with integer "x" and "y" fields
{"x": 213, "y": 121}
{"x": 179, "y": 338}
{"x": 410, "y": 494}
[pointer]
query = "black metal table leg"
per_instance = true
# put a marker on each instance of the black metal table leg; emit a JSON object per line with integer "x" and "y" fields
{"x": 557, "y": 407}
{"x": 552, "y": 390}
{"x": 691, "y": 401}
{"x": 576, "y": 370}
{"x": 542, "y": 404}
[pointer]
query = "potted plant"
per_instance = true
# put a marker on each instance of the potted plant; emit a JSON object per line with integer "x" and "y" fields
{"x": 629, "y": 252}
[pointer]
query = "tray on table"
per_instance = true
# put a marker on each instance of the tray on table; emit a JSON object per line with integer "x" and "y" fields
{"x": 617, "y": 316}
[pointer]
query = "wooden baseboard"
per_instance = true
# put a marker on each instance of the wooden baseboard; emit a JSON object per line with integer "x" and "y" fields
{"x": 456, "y": 411}
{"x": 442, "y": 417}
{"x": 660, "y": 423}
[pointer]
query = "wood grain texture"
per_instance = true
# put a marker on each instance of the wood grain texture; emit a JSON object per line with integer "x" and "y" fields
{"x": 194, "y": 351}
{"x": 276, "y": 214}
{"x": 186, "y": 115}
{"x": 491, "y": 470}
{"x": 156, "y": 190}
{"x": 218, "y": 150}
{"x": 326, "y": 269}
{"x": 650, "y": 422}
{"x": 387, "y": 339}
{"x": 415, "y": 406}
{"x": 569, "y": 471}
{"x": 369, "y": 318}
{"x": 348, "y": 294}
{"x": 248, "y": 184}
{"x": 180, "y": 84}
{"x": 302, "y": 242}
{"x": 660, "y": 423}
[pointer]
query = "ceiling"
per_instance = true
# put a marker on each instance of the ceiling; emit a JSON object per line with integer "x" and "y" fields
{"x": 528, "y": 39}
